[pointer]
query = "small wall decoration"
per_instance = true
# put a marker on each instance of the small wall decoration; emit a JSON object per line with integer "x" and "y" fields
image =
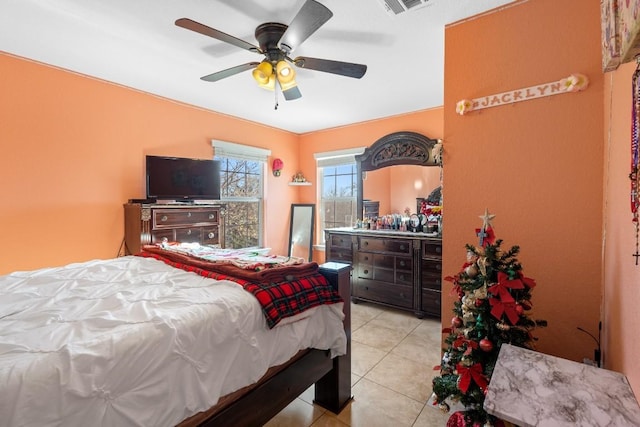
{"x": 574, "y": 83}
{"x": 277, "y": 167}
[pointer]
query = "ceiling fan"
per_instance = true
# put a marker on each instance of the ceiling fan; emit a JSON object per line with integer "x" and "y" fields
{"x": 276, "y": 42}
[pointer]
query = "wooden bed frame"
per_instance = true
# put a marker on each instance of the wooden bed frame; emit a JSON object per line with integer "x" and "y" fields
{"x": 332, "y": 377}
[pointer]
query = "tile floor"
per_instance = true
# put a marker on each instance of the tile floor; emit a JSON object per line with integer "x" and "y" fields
{"x": 393, "y": 355}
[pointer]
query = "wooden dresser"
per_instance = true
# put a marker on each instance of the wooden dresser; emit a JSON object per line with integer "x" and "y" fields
{"x": 154, "y": 223}
{"x": 398, "y": 269}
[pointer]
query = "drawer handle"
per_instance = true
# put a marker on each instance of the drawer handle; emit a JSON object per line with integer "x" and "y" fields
{"x": 188, "y": 232}
{"x": 402, "y": 248}
{"x": 402, "y": 264}
{"x": 401, "y": 277}
{"x": 366, "y": 258}
{"x": 164, "y": 218}
{"x": 211, "y": 216}
{"x": 438, "y": 267}
{"x": 439, "y": 249}
{"x": 366, "y": 243}
{"x": 211, "y": 235}
{"x": 165, "y": 240}
{"x": 366, "y": 272}
{"x": 188, "y": 214}
{"x": 402, "y": 295}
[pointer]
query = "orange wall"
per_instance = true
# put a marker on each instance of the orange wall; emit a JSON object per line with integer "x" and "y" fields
{"x": 73, "y": 152}
{"x": 621, "y": 318}
{"x": 536, "y": 164}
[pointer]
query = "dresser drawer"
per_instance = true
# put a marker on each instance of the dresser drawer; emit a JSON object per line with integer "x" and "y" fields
{"x": 404, "y": 264}
{"x": 365, "y": 271}
{"x": 431, "y": 282}
{"x": 339, "y": 241}
{"x": 404, "y": 277}
{"x": 162, "y": 236}
{"x": 211, "y": 236}
{"x": 340, "y": 255}
{"x": 431, "y": 302}
{"x": 176, "y": 217}
{"x": 188, "y": 235}
{"x": 432, "y": 268}
{"x": 366, "y": 258}
{"x": 384, "y": 245}
{"x": 383, "y": 261}
{"x": 400, "y": 296}
{"x": 432, "y": 249}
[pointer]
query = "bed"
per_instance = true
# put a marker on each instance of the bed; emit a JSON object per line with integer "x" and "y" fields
{"x": 165, "y": 338}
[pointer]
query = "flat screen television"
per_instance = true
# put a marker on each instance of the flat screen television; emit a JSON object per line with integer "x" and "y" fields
{"x": 181, "y": 179}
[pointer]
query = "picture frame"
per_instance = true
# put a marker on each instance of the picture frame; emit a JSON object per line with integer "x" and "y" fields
{"x": 610, "y": 35}
{"x": 620, "y": 21}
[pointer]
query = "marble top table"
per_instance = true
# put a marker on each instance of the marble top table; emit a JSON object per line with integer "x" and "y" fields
{"x": 529, "y": 389}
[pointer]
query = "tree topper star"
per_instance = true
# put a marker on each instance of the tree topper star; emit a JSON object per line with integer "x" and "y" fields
{"x": 486, "y": 219}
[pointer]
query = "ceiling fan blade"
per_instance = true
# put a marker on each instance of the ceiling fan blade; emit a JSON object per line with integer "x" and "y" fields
{"x": 310, "y": 17}
{"x": 347, "y": 69}
{"x": 292, "y": 93}
{"x": 216, "y": 34}
{"x": 229, "y": 72}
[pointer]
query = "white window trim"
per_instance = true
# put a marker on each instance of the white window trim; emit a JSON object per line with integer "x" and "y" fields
{"x": 337, "y": 157}
{"x": 239, "y": 151}
{"x": 333, "y": 158}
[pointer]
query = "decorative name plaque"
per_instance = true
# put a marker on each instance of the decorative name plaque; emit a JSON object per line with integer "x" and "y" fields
{"x": 574, "y": 83}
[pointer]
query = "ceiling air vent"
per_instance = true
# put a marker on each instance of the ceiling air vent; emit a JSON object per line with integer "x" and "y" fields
{"x": 396, "y": 7}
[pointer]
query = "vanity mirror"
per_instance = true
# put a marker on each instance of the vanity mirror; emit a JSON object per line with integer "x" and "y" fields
{"x": 399, "y": 148}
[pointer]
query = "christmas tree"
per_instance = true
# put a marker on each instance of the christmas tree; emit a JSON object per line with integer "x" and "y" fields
{"x": 493, "y": 307}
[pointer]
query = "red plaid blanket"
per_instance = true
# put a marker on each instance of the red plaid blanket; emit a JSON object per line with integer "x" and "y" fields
{"x": 278, "y": 300}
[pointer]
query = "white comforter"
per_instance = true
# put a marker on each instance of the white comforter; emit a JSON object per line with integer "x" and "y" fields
{"x": 132, "y": 341}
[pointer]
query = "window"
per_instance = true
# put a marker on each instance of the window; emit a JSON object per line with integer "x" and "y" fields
{"x": 338, "y": 189}
{"x": 242, "y": 190}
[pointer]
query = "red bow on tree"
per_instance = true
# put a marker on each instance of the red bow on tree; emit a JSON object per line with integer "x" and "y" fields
{"x": 505, "y": 304}
{"x": 528, "y": 282}
{"x": 501, "y": 288}
{"x": 460, "y": 341}
{"x": 468, "y": 374}
{"x": 498, "y": 308}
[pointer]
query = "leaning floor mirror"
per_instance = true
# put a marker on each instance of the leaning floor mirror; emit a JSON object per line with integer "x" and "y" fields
{"x": 301, "y": 231}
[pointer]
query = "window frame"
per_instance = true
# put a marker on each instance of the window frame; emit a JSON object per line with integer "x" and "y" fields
{"x": 239, "y": 152}
{"x": 334, "y": 159}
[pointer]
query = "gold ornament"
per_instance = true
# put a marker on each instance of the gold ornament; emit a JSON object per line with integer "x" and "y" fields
{"x": 481, "y": 293}
{"x": 472, "y": 271}
{"x": 503, "y": 326}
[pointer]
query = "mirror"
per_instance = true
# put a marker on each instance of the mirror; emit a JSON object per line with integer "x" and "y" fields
{"x": 301, "y": 231}
{"x": 399, "y": 148}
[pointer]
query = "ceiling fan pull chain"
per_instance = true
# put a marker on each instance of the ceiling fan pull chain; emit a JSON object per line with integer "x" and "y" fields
{"x": 275, "y": 92}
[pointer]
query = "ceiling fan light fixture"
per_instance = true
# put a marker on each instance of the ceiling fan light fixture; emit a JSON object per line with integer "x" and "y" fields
{"x": 263, "y": 72}
{"x": 285, "y": 72}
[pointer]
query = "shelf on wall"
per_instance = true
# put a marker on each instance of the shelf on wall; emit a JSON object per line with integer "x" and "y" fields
{"x": 300, "y": 183}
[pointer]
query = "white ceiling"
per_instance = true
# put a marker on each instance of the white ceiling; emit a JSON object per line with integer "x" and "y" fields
{"x": 136, "y": 44}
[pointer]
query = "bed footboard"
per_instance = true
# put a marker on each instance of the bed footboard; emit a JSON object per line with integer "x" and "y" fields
{"x": 332, "y": 377}
{"x": 333, "y": 391}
